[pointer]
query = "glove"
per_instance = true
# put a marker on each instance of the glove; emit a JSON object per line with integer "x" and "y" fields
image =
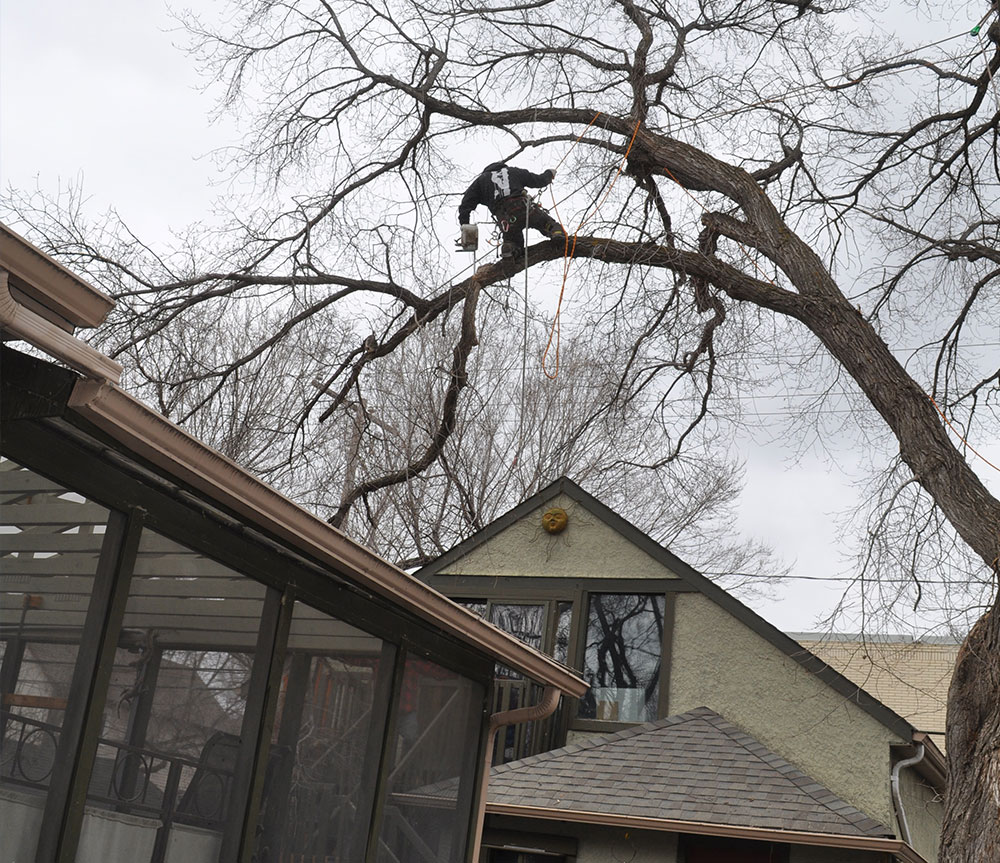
{"x": 552, "y": 171}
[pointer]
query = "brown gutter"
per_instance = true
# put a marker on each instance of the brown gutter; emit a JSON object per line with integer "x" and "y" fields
{"x": 155, "y": 438}
{"x": 902, "y": 852}
{"x": 24, "y": 323}
{"x": 545, "y": 707}
{"x": 934, "y": 768}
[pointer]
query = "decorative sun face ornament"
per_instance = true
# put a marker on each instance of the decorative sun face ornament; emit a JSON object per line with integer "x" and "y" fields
{"x": 555, "y": 520}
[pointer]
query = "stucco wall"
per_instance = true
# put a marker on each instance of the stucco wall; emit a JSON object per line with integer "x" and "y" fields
{"x": 606, "y": 844}
{"x": 924, "y": 808}
{"x": 720, "y": 663}
{"x": 587, "y": 548}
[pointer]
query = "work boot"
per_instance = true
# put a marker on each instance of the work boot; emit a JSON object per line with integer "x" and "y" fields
{"x": 508, "y": 250}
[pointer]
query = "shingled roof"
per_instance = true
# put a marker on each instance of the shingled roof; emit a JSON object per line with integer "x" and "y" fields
{"x": 696, "y": 766}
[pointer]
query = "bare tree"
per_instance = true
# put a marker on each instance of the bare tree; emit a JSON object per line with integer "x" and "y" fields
{"x": 747, "y": 172}
{"x": 515, "y": 432}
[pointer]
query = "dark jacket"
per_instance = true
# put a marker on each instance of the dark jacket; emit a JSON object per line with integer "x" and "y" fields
{"x": 498, "y": 182}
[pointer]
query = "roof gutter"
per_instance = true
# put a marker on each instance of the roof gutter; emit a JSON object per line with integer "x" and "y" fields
{"x": 545, "y": 707}
{"x": 933, "y": 767}
{"x": 902, "y": 852}
{"x": 23, "y": 323}
{"x": 153, "y": 437}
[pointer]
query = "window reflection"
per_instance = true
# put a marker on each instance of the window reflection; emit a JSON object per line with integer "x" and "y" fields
{"x": 50, "y": 542}
{"x": 560, "y": 642}
{"x": 524, "y": 622}
{"x": 622, "y": 657}
{"x": 476, "y": 606}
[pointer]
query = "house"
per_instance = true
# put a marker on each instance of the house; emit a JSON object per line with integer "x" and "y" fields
{"x": 193, "y": 668}
{"x": 707, "y": 734}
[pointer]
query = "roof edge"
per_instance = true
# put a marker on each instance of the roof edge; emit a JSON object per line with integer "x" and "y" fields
{"x": 71, "y": 297}
{"x": 24, "y": 323}
{"x": 158, "y": 440}
{"x": 902, "y": 852}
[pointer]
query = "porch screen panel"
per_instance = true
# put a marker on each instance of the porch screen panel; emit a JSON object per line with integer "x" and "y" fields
{"x": 50, "y": 543}
{"x": 314, "y": 805}
{"x": 622, "y": 657}
{"x": 164, "y": 768}
{"x": 431, "y": 764}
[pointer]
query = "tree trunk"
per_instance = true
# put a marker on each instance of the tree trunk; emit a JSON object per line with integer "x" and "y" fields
{"x": 971, "y": 831}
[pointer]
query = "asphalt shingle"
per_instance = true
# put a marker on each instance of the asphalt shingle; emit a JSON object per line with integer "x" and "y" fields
{"x": 693, "y": 767}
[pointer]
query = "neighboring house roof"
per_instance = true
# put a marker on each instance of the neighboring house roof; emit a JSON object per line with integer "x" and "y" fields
{"x": 693, "y": 767}
{"x": 565, "y": 486}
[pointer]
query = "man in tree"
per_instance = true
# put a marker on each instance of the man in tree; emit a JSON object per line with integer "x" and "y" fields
{"x": 501, "y": 188}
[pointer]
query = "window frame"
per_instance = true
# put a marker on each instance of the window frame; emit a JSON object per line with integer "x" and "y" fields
{"x": 523, "y": 590}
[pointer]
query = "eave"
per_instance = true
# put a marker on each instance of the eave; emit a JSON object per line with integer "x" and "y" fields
{"x": 895, "y": 847}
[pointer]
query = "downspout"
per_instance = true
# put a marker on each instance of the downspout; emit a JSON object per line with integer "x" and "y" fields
{"x": 897, "y": 801}
{"x": 545, "y": 707}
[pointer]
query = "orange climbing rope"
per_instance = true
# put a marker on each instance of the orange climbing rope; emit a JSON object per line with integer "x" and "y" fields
{"x": 570, "y": 250}
{"x": 950, "y": 425}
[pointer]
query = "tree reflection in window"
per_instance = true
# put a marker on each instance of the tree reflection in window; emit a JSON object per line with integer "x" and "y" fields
{"x": 524, "y": 622}
{"x": 622, "y": 658}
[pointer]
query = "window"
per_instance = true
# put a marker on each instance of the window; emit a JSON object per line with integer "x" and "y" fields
{"x": 622, "y": 657}
{"x": 50, "y": 542}
{"x": 524, "y": 622}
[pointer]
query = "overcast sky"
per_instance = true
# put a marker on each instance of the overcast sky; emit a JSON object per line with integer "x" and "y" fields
{"x": 96, "y": 92}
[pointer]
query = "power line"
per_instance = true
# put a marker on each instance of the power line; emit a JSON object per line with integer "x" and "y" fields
{"x": 845, "y": 579}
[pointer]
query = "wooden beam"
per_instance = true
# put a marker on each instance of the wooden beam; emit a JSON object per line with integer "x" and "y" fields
{"x": 23, "y": 481}
{"x": 46, "y": 702}
{"x": 63, "y": 512}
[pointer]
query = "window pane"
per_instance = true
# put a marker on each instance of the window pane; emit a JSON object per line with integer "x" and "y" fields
{"x": 431, "y": 765}
{"x": 476, "y": 606}
{"x": 168, "y": 748}
{"x": 524, "y": 622}
{"x": 314, "y": 805}
{"x": 622, "y": 660}
{"x": 560, "y": 644}
{"x": 50, "y": 542}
